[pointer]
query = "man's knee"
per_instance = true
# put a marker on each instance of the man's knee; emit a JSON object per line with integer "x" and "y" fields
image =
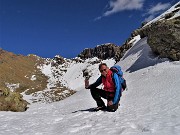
{"x": 94, "y": 93}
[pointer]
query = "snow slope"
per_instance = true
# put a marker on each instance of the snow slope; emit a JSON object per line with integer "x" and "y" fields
{"x": 162, "y": 16}
{"x": 150, "y": 106}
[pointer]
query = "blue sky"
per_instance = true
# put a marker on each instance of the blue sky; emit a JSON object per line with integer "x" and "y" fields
{"x": 65, "y": 27}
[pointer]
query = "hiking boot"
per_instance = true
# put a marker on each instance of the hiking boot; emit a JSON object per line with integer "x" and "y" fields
{"x": 99, "y": 108}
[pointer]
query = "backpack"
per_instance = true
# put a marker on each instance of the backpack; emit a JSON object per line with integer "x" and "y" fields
{"x": 117, "y": 70}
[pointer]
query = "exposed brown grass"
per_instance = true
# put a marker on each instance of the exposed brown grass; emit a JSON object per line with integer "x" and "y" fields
{"x": 19, "y": 69}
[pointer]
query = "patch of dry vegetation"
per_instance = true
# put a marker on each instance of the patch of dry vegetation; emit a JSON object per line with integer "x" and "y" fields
{"x": 18, "y": 69}
{"x": 11, "y": 101}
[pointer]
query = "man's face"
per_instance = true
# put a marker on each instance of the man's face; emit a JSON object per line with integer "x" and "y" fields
{"x": 104, "y": 70}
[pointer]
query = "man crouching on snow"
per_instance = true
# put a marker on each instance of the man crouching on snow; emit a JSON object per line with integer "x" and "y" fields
{"x": 111, "y": 90}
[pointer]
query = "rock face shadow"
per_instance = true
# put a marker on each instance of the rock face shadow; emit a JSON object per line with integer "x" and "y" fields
{"x": 146, "y": 57}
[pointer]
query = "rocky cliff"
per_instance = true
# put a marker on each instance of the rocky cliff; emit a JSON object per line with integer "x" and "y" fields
{"x": 164, "y": 34}
{"x": 105, "y": 51}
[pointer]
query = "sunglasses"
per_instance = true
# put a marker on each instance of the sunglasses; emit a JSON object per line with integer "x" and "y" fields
{"x": 103, "y": 70}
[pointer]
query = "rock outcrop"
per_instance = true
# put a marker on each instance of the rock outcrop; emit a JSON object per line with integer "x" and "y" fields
{"x": 107, "y": 51}
{"x": 104, "y": 51}
{"x": 163, "y": 35}
{"x": 12, "y": 101}
{"x": 164, "y": 38}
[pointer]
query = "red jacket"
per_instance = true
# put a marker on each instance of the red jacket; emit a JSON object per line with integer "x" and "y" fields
{"x": 108, "y": 82}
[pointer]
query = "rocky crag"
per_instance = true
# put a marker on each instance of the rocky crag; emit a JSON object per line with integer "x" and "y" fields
{"x": 163, "y": 35}
{"x": 106, "y": 51}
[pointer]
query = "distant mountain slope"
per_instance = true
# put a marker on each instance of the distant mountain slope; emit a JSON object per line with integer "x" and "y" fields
{"x": 21, "y": 71}
{"x": 23, "y": 74}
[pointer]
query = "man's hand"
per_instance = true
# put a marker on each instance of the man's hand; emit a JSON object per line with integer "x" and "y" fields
{"x": 86, "y": 83}
{"x": 110, "y": 103}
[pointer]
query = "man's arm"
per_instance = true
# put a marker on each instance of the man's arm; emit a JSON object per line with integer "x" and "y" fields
{"x": 117, "y": 89}
{"x": 95, "y": 84}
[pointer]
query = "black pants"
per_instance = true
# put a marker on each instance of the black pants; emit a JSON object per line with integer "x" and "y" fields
{"x": 98, "y": 93}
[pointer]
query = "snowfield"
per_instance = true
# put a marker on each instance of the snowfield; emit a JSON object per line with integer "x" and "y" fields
{"x": 150, "y": 106}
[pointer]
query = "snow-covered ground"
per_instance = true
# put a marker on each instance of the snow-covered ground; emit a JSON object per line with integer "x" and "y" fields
{"x": 150, "y": 106}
